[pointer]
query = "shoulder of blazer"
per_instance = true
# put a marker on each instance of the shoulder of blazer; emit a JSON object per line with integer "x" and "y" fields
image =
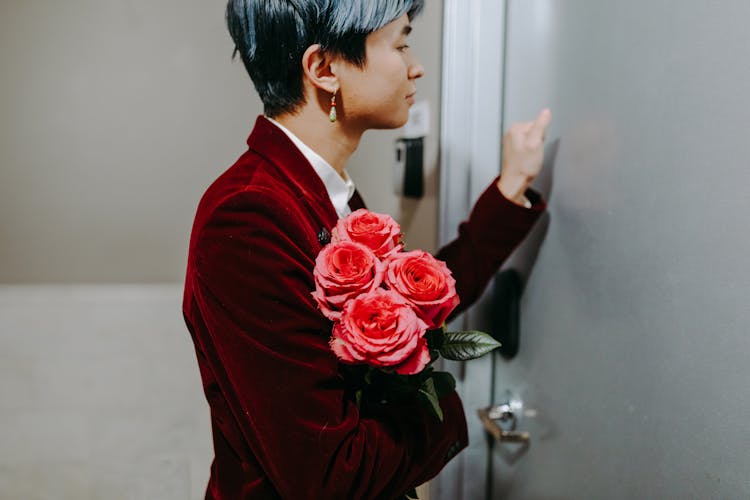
{"x": 271, "y": 143}
{"x": 277, "y": 171}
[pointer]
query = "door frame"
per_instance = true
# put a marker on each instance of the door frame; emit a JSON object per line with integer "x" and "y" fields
{"x": 471, "y": 105}
{"x": 473, "y": 78}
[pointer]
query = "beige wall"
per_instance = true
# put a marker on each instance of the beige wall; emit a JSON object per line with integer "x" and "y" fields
{"x": 101, "y": 395}
{"x": 115, "y": 116}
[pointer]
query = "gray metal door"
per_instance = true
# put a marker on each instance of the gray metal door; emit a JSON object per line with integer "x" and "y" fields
{"x": 635, "y": 345}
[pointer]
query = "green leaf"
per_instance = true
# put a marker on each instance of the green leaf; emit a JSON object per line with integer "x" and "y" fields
{"x": 461, "y": 346}
{"x": 430, "y": 394}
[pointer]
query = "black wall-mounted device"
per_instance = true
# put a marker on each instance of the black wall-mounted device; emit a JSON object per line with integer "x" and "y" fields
{"x": 410, "y": 155}
{"x": 506, "y": 312}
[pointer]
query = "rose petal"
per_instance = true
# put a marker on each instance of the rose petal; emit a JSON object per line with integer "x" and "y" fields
{"x": 425, "y": 282}
{"x": 416, "y": 362}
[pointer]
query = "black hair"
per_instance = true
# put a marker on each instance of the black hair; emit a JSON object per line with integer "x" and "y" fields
{"x": 272, "y": 35}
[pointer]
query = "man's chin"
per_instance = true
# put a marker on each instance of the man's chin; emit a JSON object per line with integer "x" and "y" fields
{"x": 393, "y": 124}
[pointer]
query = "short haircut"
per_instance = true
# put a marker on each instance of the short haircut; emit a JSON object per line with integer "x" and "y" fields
{"x": 272, "y": 35}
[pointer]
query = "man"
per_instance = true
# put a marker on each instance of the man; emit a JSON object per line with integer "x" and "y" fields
{"x": 285, "y": 424}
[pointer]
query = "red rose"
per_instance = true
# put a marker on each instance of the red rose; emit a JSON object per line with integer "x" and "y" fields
{"x": 342, "y": 271}
{"x": 378, "y": 232}
{"x": 425, "y": 282}
{"x": 381, "y": 329}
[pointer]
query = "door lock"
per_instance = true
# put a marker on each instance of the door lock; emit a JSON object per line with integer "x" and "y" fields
{"x": 501, "y": 420}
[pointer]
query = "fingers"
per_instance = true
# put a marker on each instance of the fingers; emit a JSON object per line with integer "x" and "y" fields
{"x": 538, "y": 130}
{"x": 533, "y": 133}
{"x": 525, "y": 127}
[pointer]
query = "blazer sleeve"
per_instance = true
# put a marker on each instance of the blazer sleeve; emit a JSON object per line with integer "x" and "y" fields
{"x": 495, "y": 227}
{"x": 279, "y": 376}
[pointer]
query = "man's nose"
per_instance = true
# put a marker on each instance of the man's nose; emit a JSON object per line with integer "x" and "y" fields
{"x": 416, "y": 70}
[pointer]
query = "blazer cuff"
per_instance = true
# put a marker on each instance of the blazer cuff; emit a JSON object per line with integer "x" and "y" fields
{"x": 492, "y": 202}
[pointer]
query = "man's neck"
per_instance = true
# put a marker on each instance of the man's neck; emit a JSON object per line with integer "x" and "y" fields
{"x": 330, "y": 140}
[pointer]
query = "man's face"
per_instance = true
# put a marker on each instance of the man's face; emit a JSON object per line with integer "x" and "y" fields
{"x": 379, "y": 94}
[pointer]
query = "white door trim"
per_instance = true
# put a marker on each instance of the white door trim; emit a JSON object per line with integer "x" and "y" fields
{"x": 471, "y": 105}
{"x": 470, "y": 140}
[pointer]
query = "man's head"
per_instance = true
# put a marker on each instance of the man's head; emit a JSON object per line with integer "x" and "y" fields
{"x": 271, "y": 37}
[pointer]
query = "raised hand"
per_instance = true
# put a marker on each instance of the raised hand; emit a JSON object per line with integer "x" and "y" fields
{"x": 523, "y": 153}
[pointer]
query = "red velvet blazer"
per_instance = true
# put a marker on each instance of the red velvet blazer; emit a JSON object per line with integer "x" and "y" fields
{"x": 284, "y": 425}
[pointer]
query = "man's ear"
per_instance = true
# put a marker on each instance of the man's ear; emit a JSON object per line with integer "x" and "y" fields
{"x": 319, "y": 69}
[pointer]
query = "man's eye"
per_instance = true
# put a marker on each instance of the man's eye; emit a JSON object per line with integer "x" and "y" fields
{"x": 402, "y": 48}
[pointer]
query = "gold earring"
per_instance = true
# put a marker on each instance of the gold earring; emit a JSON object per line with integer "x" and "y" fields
{"x": 332, "y": 113}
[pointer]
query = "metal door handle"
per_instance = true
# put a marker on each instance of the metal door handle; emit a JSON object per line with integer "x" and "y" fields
{"x": 491, "y": 426}
{"x": 501, "y": 420}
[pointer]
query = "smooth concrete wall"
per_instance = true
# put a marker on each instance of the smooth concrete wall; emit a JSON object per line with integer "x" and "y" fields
{"x": 101, "y": 397}
{"x": 115, "y": 116}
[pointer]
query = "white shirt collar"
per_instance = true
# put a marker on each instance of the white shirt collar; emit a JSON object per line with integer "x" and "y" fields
{"x": 340, "y": 191}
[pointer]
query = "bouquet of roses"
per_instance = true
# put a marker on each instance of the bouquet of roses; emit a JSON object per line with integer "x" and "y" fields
{"x": 389, "y": 309}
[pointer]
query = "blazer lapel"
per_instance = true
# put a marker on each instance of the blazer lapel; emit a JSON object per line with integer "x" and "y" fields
{"x": 273, "y": 144}
{"x": 356, "y": 202}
